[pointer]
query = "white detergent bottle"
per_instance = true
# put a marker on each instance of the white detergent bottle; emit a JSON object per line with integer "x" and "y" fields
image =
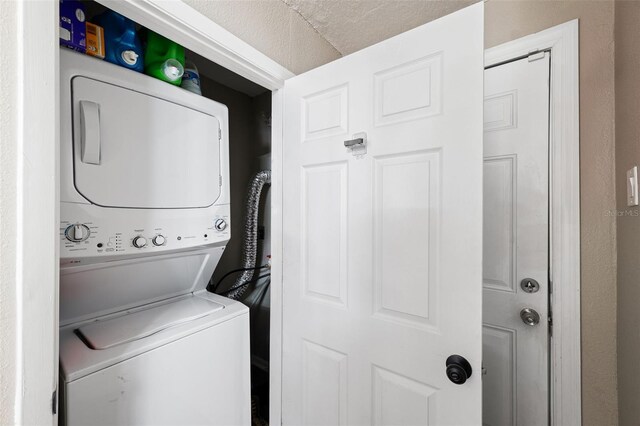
{"x": 191, "y": 78}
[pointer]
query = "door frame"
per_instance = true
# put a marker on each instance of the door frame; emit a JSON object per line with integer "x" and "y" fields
{"x": 564, "y": 201}
{"x": 32, "y": 178}
{"x": 29, "y": 212}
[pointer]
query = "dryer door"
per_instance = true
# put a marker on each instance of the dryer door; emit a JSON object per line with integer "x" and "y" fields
{"x": 132, "y": 150}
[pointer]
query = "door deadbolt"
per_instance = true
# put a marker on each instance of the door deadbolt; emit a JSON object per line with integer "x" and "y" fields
{"x": 529, "y": 285}
{"x": 530, "y": 317}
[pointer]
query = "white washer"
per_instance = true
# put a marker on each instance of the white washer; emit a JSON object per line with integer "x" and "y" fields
{"x": 144, "y": 179}
{"x": 179, "y": 361}
{"x": 193, "y": 371}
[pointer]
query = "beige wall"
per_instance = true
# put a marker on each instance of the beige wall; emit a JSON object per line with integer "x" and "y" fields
{"x": 627, "y": 35}
{"x": 273, "y": 28}
{"x": 510, "y": 20}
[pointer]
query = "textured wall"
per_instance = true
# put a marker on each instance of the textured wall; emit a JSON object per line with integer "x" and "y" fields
{"x": 510, "y": 20}
{"x": 627, "y": 35}
{"x": 273, "y": 28}
{"x": 351, "y": 25}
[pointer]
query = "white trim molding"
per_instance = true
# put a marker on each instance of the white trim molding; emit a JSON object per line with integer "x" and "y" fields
{"x": 564, "y": 169}
{"x": 29, "y": 213}
{"x": 276, "y": 297}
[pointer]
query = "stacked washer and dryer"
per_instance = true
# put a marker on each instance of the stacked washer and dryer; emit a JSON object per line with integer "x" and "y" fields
{"x": 144, "y": 219}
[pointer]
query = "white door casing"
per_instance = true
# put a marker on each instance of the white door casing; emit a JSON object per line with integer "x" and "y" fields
{"x": 564, "y": 186}
{"x": 382, "y": 254}
{"x": 516, "y": 241}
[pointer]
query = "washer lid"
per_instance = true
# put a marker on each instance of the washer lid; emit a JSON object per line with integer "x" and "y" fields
{"x": 138, "y": 325}
{"x": 133, "y": 150}
{"x": 95, "y": 290}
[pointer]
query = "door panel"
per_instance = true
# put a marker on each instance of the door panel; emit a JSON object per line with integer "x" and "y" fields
{"x": 499, "y": 223}
{"x": 406, "y": 221}
{"x": 383, "y": 251}
{"x": 516, "y": 229}
{"x": 324, "y": 232}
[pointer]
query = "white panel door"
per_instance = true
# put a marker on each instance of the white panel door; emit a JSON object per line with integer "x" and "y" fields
{"x": 383, "y": 252}
{"x": 516, "y": 241}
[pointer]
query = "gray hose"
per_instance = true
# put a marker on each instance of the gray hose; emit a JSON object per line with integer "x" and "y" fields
{"x": 250, "y": 241}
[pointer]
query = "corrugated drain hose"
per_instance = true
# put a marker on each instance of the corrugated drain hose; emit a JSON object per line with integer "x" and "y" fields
{"x": 250, "y": 241}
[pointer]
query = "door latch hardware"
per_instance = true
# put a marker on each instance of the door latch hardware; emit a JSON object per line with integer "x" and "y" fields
{"x": 458, "y": 369}
{"x": 534, "y": 56}
{"x": 54, "y": 401}
{"x": 529, "y": 285}
{"x": 357, "y": 145}
{"x": 352, "y": 142}
{"x": 530, "y": 317}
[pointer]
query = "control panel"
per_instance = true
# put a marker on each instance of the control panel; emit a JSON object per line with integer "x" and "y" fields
{"x": 85, "y": 237}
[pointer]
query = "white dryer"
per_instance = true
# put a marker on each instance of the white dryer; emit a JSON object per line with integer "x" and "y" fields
{"x": 144, "y": 219}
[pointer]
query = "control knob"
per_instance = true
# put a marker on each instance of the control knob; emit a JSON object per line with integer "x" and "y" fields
{"x": 77, "y": 232}
{"x": 139, "y": 241}
{"x": 159, "y": 240}
{"x": 220, "y": 224}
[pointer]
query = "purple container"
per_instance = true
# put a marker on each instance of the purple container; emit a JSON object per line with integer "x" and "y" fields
{"x": 72, "y": 25}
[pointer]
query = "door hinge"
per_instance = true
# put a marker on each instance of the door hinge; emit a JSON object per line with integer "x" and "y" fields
{"x": 220, "y": 180}
{"x": 538, "y": 54}
{"x": 54, "y": 402}
{"x": 550, "y": 321}
{"x": 219, "y": 134}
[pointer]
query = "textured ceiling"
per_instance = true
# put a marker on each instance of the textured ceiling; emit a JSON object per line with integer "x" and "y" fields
{"x": 350, "y": 25}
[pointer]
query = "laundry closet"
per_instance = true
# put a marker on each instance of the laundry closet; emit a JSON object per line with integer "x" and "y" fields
{"x": 167, "y": 224}
{"x": 164, "y": 304}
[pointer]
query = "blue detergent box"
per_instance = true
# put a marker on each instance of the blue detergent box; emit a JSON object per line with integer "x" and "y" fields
{"x": 72, "y": 25}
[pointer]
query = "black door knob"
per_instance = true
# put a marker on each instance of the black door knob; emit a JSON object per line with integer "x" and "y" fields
{"x": 458, "y": 369}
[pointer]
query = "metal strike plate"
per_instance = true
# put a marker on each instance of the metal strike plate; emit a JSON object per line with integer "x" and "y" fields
{"x": 529, "y": 285}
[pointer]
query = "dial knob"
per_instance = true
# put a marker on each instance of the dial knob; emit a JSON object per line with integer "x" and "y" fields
{"x": 220, "y": 224}
{"x": 77, "y": 232}
{"x": 159, "y": 240}
{"x": 139, "y": 241}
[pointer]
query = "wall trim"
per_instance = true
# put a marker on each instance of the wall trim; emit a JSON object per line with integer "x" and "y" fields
{"x": 564, "y": 169}
{"x": 277, "y": 233}
{"x": 29, "y": 213}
